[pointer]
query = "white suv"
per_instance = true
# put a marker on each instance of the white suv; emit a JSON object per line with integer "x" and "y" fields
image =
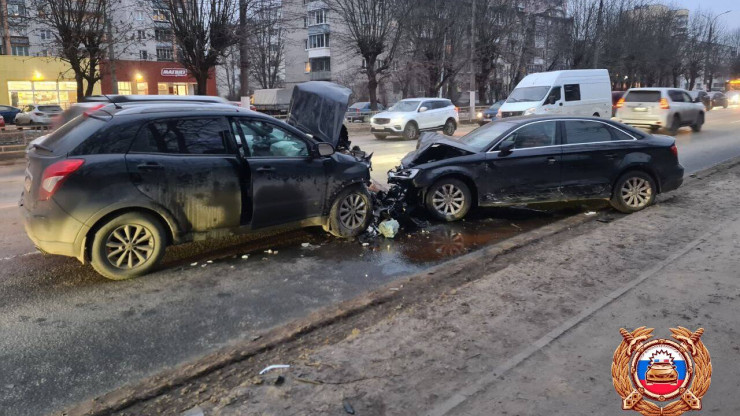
{"x": 410, "y": 116}
{"x": 660, "y": 107}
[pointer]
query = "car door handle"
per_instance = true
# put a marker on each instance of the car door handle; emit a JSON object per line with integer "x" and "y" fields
{"x": 149, "y": 166}
{"x": 265, "y": 169}
{"x": 551, "y": 160}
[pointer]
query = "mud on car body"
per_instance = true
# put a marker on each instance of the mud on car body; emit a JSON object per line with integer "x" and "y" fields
{"x": 526, "y": 160}
{"x": 117, "y": 185}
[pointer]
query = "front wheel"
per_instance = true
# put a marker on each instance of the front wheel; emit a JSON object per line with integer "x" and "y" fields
{"x": 411, "y": 131}
{"x": 127, "y": 246}
{"x": 633, "y": 192}
{"x": 350, "y": 213}
{"x": 449, "y": 127}
{"x": 449, "y": 199}
{"x": 699, "y": 122}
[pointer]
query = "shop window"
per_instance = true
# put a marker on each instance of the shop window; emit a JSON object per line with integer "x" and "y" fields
{"x": 124, "y": 88}
{"x": 164, "y": 54}
{"x": 67, "y": 85}
{"x": 142, "y": 88}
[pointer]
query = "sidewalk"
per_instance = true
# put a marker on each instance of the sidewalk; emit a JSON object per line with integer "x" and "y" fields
{"x": 534, "y": 338}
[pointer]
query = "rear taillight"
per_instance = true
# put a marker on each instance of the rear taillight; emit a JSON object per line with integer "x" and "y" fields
{"x": 55, "y": 174}
{"x": 620, "y": 103}
{"x": 674, "y": 150}
{"x": 664, "y": 104}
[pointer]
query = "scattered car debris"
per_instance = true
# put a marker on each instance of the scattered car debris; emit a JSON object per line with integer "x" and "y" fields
{"x": 589, "y": 213}
{"x": 365, "y": 244}
{"x": 194, "y": 264}
{"x": 348, "y": 407}
{"x": 305, "y": 245}
{"x": 273, "y": 367}
{"x": 388, "y": 228}
{"x": 209, "y": 261}
{"x": 269, "y": 251}
{"x": 245, "y": 256}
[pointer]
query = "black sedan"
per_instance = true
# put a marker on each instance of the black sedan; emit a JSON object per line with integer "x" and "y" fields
{"x": 719, "y": 99}
{"x": 526, "y": 160}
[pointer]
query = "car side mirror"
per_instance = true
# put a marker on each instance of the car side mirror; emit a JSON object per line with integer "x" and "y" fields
{"x": 423, "y": 109}
{"x": 506, "y": 148}
{"x": 324, "y": 149}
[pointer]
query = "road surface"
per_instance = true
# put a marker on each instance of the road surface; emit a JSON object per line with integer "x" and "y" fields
{"x": 68, "y": 334}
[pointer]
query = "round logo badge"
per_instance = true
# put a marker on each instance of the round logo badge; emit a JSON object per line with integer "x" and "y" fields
{"x": 661, "y": 369}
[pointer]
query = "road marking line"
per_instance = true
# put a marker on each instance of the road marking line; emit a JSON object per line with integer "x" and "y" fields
{"x": 480, "y": 385}
{"x": 20, "y": 255}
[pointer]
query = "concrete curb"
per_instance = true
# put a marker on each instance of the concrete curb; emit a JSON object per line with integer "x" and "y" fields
{"x": 168, "y": 380}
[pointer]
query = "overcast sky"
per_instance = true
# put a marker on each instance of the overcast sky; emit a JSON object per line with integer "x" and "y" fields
{"x": 731, "y": 20}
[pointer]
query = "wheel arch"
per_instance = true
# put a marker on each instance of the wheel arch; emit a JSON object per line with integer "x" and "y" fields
{"x": 465, "y": 178}
{"x": 639, "y": 168}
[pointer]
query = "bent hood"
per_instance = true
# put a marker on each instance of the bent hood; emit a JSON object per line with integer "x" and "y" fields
{"x": 318, "y": 108}
{"x": 434, "y": 147}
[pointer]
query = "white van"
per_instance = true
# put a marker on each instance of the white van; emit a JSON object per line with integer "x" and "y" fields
{"x": 577, "y": 92}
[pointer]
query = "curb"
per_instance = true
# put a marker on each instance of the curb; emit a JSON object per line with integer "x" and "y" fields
{"x": 168, "y": 380}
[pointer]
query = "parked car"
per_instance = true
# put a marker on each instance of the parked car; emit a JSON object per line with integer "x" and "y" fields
{"x": 410, "y": 116}
{"x": 38, "y": 114}
{"x": 616, "y": 95}
{"x": 578, "y": 92}
{"x": 702, "y": 97}
{"x": 95, "y": 102}
{"x": 117, "y": 185}
{"x": 489, "y": 113}
{"x": 526, "y": 160}
{"x": 719, "y": 99}
{"x": 8, "y": 113}
{"x": 360, "y": 111}
{"x": 654, "y": 108}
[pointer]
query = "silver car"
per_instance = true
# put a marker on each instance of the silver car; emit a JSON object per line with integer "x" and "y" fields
{"x": 653, "y": 108}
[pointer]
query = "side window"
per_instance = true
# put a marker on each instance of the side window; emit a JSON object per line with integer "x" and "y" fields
{"x": 115, "y": 139}
{"x": 200, "y": 136}
{"x": 687, "y": 97}
{"x": 268, "y": 140}
{"x": 572, "y": 92}
{"x": 428, "y": 104}
{"x": 580, "y": 132}
{"x": 676, "y": 96}
{"x": 619, "y": 134}
{"x": 554, "y": 95}
{"x": 533, "y": 135}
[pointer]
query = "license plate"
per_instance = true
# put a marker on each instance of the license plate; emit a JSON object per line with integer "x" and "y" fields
{"x": 639, "y": 109}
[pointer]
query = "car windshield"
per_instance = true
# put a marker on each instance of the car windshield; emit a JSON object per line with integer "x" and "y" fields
{"x": 480, "y": 138}
{"x": 405, "y": 106}
{"x": 642, "y": 96}
{"x": 527, "y": 94}
{"x": 50, "y": 108}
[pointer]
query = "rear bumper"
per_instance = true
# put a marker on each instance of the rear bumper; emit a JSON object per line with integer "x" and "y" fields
{"x": 672, "y": 180}
{"x": 54, "y": 231}
{"x": 657, "y": 121}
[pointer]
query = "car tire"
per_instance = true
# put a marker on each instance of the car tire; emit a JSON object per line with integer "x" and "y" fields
{"x": 675, "y": 125}
{"x": 448, "y": 199}
{"x": 633, "y": 191}
{"x": 699, "y": 122}
{"x": 380, "y": 136}
{"x": 596, "y": 115}
{"x": 411, "y": 131}
{"x": 137, "y": 237}
{"x": 350, "y": 213}
{"x": 449, "y": 127}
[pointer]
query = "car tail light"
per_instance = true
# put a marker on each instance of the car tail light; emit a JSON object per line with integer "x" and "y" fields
{"x": 620, "y": 103}
{"x": 664, "y": 104}
{"x": 55, "y": 174}
{"x": 92, "y": 110}
{"x": 674, "y": 150}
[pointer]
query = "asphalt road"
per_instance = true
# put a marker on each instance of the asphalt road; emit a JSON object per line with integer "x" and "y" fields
{"x": 67, "y": 334}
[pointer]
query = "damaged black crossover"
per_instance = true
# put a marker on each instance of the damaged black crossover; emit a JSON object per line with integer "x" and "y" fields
{"x": 527, "y": 160}
{"x": 117, "y": 185}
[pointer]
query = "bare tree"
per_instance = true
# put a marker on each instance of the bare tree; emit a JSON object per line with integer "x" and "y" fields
{"x": 230, "y": 74}
{"x": 266, "y": 46}
{"x": 204, "y": 30}
{"x": 494, "y": 19}
{"x": 79, "y": 35}
{"x": 372, "y": 30}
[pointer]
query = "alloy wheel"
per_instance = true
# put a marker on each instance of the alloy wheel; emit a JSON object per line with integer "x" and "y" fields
{"x": 448, "y": 199}
{"x": 636, "y": 192}
{"x": 449, "y": 128}
{"x": 411, "y": 131}
{"x": 353, "y": 211}
{"x": 129, "y": 246}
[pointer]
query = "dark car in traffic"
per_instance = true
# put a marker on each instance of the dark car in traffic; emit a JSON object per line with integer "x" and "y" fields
{"x": 8, "y": 113}
{"x": 489, "y": 113}
{"x": 119, "y": 183}
{"x": 360, "y": 111}
{"x": 525, "y": 160}
{"x": 719, "y": 99}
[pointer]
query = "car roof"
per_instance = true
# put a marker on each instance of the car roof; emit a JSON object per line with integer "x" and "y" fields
{"x": 424, "y": 98}
{"x": 655, "y": 89}
{"x": 149, "y": 98}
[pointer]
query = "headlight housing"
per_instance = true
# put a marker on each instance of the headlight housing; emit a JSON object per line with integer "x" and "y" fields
{"x": 406, "y": 173}
{"x": 530, "y": 111}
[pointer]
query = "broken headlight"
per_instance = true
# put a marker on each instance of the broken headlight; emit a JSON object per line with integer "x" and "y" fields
{"x": 406, "y": 173}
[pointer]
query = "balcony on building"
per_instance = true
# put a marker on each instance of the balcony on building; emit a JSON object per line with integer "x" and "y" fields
{"x": 320, "y": 75}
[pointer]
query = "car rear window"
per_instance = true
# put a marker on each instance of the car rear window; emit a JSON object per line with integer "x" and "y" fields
{"x": 75, "y": 131}
{"x": 642, "y": 96}
{"x": 50, "y": 108}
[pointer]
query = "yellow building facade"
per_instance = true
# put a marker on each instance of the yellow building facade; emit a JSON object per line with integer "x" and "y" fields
{"x": 37, "y": 80}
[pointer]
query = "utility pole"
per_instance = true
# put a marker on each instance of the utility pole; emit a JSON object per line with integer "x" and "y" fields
{"x": 472, "y": 63}
{"x": 709, "y": 50}
{"x": 597, "y": 40}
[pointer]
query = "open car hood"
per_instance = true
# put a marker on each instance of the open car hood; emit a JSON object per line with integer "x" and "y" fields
{"x": 318, "y": 108}
{"x": 434, "y": 147}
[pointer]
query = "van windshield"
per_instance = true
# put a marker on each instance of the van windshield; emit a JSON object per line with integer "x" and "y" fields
{"x": 527, "y": 94}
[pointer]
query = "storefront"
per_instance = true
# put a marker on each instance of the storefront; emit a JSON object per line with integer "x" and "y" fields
{"x": 37, "y": 80}
{"x": 152, "y": 78}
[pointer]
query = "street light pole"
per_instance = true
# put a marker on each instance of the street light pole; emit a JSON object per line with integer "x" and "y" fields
{"x": 471, "y": 111}
{"x": 709, "y": 50}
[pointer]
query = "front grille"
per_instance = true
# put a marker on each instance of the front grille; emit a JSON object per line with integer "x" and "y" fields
{"x": 382, "y": 120}
{"x": 511, "y": 113}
